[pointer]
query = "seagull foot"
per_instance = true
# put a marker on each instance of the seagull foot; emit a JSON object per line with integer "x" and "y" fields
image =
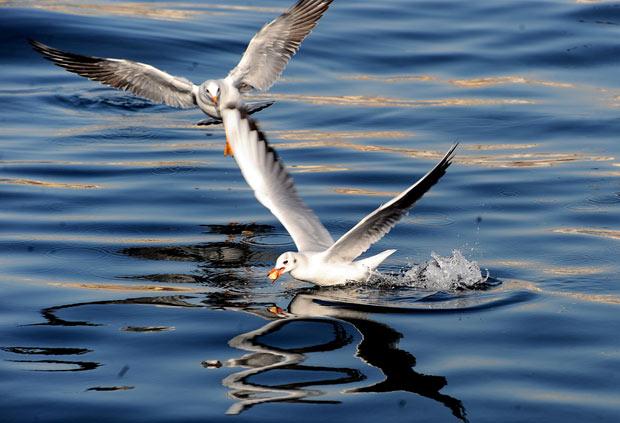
{"x": 228, "y": 151}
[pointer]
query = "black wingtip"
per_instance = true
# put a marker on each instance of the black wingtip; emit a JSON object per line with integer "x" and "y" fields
{"x": 38, "y": 46}
{"x": 449, "y": 156}
{"x": 45, "y": 50}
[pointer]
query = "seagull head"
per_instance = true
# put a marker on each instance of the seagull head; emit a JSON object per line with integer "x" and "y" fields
{"x": 284, "y": 264}
{"x": 212, "y": 91}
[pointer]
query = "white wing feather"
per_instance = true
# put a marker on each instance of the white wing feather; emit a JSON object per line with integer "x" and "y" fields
{"x": 378, "y": 223}
{"x": 272, "y": 185}
{"x": 139, "y": 78}
{"x": 273, "y": 46}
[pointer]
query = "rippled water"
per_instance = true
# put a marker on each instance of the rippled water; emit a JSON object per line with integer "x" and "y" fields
{"x": 133, "y": 256}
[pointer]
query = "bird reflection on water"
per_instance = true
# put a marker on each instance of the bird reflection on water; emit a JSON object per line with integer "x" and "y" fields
{"x": 377, "y": 348}
{"x": 339, "y": 321}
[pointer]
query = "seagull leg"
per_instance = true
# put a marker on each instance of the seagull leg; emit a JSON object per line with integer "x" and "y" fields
{"x": 228, "y": 151}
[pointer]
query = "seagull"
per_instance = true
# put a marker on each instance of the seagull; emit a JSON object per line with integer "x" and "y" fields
{"x": 264, "y": 60}
{"x": 319, "y": 259}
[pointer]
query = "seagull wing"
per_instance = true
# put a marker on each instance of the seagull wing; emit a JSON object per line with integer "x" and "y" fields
{"x": 377, "y": 224}
{"x": 273, "y": 46}
{"x": 272, "y": 185}
{"x": 139, "y": 78}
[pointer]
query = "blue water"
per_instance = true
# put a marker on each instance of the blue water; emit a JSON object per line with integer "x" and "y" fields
{"x": 133, "y": 256}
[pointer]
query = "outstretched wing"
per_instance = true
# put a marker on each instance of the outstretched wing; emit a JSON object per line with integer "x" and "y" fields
{"x": 273, "y": 46}
{"x": 272, "y": 185}
{"x": 377, "y": 224}
{"x": 138, "y": 78}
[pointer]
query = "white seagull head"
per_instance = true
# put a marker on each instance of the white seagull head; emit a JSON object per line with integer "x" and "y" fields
{"x": 210, "y": 91}
{"x": 284, "y": 264}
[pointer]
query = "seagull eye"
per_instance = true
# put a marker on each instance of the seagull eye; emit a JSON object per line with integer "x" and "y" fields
{"x": 285, "y": 262}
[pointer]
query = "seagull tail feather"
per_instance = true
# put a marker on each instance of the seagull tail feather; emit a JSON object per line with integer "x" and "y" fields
{"x": 373, "y": 262}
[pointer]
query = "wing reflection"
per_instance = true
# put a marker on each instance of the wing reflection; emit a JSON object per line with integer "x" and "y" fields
{"x": 51, "y": 365}
{"x": 264, "y": 358}
{"x": 378, "y": 348}
{"x": 52, "y": 319}
{"x": 222, "y": 263}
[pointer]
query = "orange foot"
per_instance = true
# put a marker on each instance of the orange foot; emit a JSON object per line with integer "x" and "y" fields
{"x": 228, "y": 151}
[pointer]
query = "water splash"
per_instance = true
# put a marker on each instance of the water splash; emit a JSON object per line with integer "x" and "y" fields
{"x": 439, "y": 273}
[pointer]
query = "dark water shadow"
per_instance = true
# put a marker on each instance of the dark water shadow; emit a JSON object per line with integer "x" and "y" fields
{"x": 379, "y": 348}
{"x": 78, "y": 366}
{"x": 50, "y": 314}
{"x": 219, "y": 264}
{"x": 52, "y": 365}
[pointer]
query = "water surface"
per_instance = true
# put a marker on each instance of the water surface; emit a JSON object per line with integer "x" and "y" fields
{"x": 134, "y": 257}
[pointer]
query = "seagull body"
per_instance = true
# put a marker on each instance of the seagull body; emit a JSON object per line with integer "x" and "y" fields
{"x": 318, "y": 267}
{"x": 319, "y": 259}
{"x": 260, "y": 66}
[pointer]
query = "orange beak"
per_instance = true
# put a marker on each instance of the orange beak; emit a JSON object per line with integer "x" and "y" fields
{"x": 275, "y": 273}
{"x": 214, "y": 99}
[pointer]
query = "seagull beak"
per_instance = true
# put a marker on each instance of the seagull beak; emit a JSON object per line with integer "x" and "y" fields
{"x": 275, "y": 273}
{"x": 214, "y": 99}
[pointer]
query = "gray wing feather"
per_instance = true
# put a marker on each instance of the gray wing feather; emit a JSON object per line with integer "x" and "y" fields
{"x": 139, "y": 78}
{"x": 272, "y": 185}
{"x": 273, "y": 46}
{"x": 377, "y": 224}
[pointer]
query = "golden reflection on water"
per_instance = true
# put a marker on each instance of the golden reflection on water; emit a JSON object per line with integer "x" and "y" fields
{"x": 549, "y": 269}
{"x": 134, "y": 163}
{"x": 480, "y": 82}
{"x": 365, "y": 192}
{"x": 101, "y": 238}
{"x": 511, "y": 160}
{"x": 574, "y": 271}
{"x": 503, "y": 80}
{"x": 492, "y": 147}
{"x": 46, "y": 184}
{"x": 368, "y": 101}
{"x": 118, "y": 287}
{"x": 515, "y": 284}
{"x": 604, "y": 233}
{"x": 390, "y": 79}
{"x": 138, "y": 120}
{"x": 150, "y": 10}
{"x": 136, "y": 9}
{"x": 316, "y": 168}
{"x": 606, "y": 96}
{"x": 312, "y": 135}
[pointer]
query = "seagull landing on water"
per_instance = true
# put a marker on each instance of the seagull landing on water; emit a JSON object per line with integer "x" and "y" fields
{"x": 319, "y": 259}
{"x": 262, "y": 63}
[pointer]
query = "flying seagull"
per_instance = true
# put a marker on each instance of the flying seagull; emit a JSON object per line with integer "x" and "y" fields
{"x": 319, "y": 259}
{"x": 262, "y": 63}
